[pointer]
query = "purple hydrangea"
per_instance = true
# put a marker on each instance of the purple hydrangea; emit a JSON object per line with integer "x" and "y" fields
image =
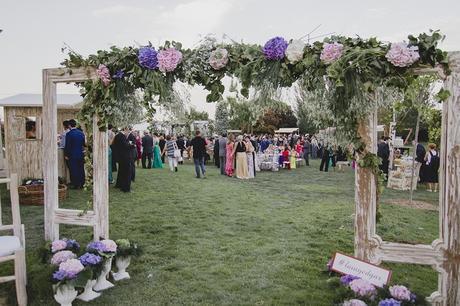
{"x": 119, "y": 74}
{"x": 275, "y": 48}
{"x": 72, "y": 244}
{"x": 59, "y": 275}
{"x": 148, "y": 57}
{"x": 389, "y": 302}
{"x": 89, "y": 259}
{"x": 95, "y": 246}
{"x": 347, "y": 279}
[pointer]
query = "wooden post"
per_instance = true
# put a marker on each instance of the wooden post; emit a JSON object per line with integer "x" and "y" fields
{"x": 450, "y": 184}
{"x": 100, "y": 181}
{"x": 366, "y": 193}
{"x": 50, "y": 170}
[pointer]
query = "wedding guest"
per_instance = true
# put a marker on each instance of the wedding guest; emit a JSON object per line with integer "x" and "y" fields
{"x": 250, "y": 153}
{"x": 239, "y": 151}
{"x": 198, "y": 144}
{"x": 216, "y": 153}
{"x": 383, "y": 151}
{"x": 181, "y": 144}
{"x": 138, "y": 147}
{"x": 306, "y": 151}
{"x": 293, "y": 159}
{"x": 169, "y": 150}
{"x": 420, "y": 153}
{"x": 74, "y": 153}
{"x": 229, "y": 155}
{"x": 125, "y": 159}
{"x": 63, "y": 163}
{"x": 161, "y": 144}
{"x": 222, "y": 141}
{"x": 132, "y": 140}
{"x": 157, "y": 163}
{"x": 432, "y": 162}
{"x": 147, "y": 150}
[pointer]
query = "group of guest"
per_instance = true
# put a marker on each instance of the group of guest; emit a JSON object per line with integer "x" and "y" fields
{"x": 428, "y": 160}
{"x": 237, "y": 157}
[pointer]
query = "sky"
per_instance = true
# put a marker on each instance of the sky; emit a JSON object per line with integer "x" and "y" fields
{"x": 35, "y": 31}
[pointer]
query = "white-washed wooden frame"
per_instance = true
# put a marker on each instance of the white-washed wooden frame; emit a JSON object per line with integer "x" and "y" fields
{"x": 99, "y": 217}
{"x": 444, "y": 253}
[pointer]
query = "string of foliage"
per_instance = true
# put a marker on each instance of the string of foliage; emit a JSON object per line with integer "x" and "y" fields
{"x": 351, "y": 79}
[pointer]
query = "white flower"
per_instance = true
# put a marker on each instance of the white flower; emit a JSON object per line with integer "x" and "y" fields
{"x": 294, "y": 51}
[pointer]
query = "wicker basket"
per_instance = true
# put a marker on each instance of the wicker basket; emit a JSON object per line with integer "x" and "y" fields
{"x": 34, "y": 195}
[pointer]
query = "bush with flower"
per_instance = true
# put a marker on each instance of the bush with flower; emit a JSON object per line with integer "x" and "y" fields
{"x": 331, "y": 52}
{"x": 275, "y": 48}
{"x": 105, "y": 248}
{"x": 218, "y": 58}
{"x": 351, "y": 290}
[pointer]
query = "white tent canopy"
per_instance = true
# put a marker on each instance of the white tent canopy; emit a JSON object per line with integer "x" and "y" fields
{"x": 286, "y": 130}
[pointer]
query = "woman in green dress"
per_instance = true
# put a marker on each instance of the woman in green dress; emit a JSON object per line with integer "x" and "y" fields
{"x": 156, "y": 163}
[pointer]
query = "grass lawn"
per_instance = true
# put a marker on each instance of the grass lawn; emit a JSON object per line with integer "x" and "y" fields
{"x": 223, "y": 241}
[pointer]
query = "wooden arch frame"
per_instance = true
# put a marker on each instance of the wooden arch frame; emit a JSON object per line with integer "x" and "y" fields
{"x": 99, "y": 217}
{"x": 444, "y": 253}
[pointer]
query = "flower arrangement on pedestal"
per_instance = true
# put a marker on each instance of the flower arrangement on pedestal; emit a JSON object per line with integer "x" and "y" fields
{"x": 106, "y": 249}
{"x": 92, "y": 263}
{"x": 67, "y": 278}
{"x": 125, "y": 251}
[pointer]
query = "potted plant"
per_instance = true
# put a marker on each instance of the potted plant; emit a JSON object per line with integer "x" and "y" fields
{"x": 126, "y": 249}
{"x": 70, "y": 275}
{"x": 92, "y": 263}
{"x": 106, "y": 249}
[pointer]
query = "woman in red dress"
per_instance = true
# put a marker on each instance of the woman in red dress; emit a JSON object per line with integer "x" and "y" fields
{"x": 138, "y": 147}
{"x": 229, "y": 155}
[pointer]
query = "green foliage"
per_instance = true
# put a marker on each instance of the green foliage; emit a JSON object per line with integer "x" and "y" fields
{"x": 222, "y": 120}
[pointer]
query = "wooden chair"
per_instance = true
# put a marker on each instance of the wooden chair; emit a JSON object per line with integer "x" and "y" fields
{"x": 12, "y": 247}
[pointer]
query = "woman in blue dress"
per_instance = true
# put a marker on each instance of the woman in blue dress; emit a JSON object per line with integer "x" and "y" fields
{"x": 156, "y": 162}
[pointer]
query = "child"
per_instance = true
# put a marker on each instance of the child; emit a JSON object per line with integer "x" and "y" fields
{"x": 286, "y": 154}
{"x": 293, "y": 158}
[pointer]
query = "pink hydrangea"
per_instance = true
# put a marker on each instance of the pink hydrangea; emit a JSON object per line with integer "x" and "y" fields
{"x": 109, "y": 245}
{"x": 218, "y": 58}
{"x": 168, "y": 59}
{"x": 363, "y": 288}
{"x": 331, "y": 52}
{"x": 71, "y": 267}
{"x": 402, "y": 55}
{"x": 62, "y": 256}
{"x": 104, "y": 74}
{"x": 354, "y": 302}
{"x": 400, "y": 293}
{"x": 58, "y": 245}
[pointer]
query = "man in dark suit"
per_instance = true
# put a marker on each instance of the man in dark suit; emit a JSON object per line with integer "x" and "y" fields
{"x": 132, "y": 141}
{"x": 125, "y": 160}
{"x": 147, "y": 150}
{"x": 74, "y": 154}
{"x": 383, "y": 151}
{"x": 198, "y": 145}
{"x": 222, "y": 152}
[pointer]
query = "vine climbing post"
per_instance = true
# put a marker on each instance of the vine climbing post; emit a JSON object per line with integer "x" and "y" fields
{"x": 365, "y": 191}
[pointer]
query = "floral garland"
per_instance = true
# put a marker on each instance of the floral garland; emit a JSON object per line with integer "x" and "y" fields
{"x": 352, "y": 69}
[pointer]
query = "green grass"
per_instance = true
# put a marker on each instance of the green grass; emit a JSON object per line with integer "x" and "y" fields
{"x": 223, "y": 241}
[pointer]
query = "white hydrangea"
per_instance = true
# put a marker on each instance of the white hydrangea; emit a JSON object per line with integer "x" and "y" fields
{"x": 294, "y": 51}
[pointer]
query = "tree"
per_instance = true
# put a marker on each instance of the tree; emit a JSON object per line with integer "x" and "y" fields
{"x": 278, "y": 116}
{"x": 222, "y": 120}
